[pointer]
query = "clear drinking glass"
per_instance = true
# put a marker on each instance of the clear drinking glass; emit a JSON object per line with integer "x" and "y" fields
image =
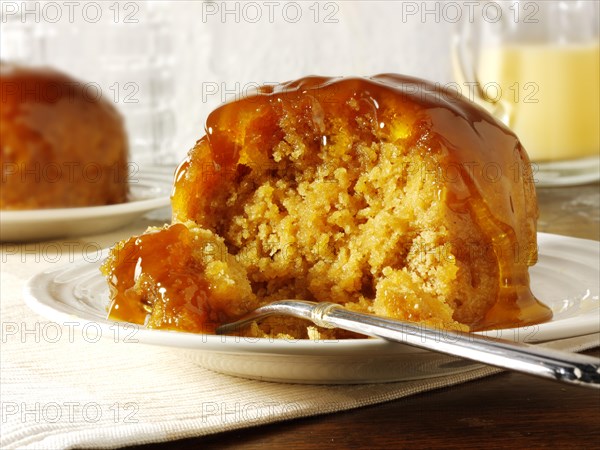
{"x": 136, "y": 62}
{"x": 124, "y": 50}
{"x": 535, "y": 65}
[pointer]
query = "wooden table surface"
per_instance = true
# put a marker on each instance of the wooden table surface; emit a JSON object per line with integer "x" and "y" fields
{"x": 506, "y": 410}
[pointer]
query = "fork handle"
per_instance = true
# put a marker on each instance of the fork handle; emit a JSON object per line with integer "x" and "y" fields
{"x": 543, "y": 362}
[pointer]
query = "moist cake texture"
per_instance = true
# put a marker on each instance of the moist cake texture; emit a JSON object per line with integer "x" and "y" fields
{"x": 386, "y": 194}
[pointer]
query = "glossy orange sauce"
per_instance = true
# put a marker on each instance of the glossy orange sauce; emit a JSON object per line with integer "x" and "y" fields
{"x": 163, "y": 265}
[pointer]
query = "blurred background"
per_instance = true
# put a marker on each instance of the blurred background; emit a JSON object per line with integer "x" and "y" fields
{"x": 166, "y": 65}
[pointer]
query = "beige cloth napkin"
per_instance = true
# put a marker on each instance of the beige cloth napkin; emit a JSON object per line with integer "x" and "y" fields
{"x": 62, "y": 391}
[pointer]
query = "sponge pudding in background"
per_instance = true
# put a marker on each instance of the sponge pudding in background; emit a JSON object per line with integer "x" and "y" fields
{"x": 61, "y": 144}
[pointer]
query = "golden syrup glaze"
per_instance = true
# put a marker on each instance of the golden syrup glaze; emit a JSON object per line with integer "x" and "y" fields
{"x": 158, "y": 271}
{"x": 477, "y": 161}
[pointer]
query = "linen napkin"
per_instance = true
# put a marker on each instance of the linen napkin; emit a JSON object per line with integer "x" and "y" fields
{"x": 61, "y": 390}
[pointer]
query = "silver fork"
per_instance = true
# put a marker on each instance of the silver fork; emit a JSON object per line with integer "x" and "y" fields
{"x": 520, "y": 357}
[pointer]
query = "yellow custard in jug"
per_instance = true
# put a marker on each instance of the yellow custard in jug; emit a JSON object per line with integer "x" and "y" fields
{"x": 552, "y": 93}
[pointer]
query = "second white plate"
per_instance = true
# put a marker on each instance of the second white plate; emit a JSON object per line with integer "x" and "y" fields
{"x": 149, "y": 190}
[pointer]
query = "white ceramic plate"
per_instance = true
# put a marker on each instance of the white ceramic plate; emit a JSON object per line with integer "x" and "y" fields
{"x": 566, "y": 278}
{"x": 149, "y": 190}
